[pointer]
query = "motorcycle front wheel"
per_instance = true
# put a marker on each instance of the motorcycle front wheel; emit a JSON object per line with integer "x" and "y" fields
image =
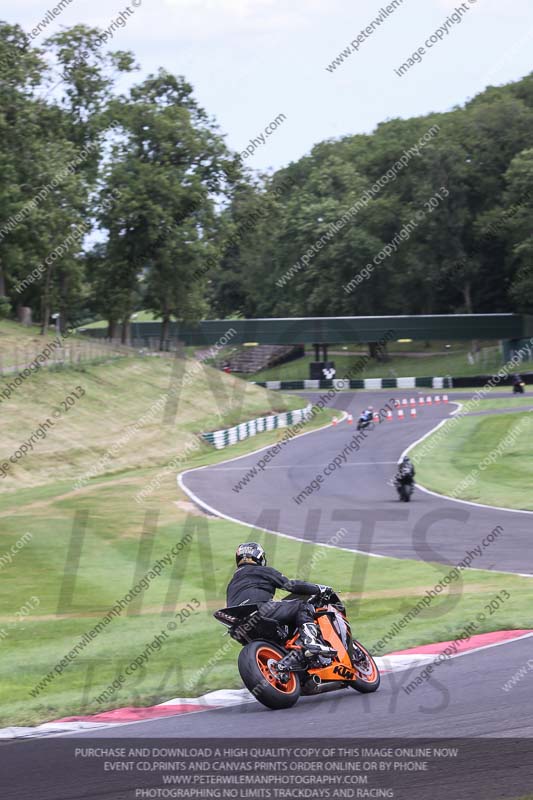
{"x": 257, "y": 669}
{"x": 369, "y": 678}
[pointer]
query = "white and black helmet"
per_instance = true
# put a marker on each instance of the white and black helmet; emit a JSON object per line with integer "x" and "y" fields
{"x": 250, "y": 553}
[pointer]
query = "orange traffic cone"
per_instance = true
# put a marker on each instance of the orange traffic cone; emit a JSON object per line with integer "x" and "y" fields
{"x": 413, "y": 401}
{"x": 389, "y": 416}
{"x": 413, "y": 412}
{"x": 350, "y": 419}
{"x": 445, "y": 398}
{"x": 437, "y": 399}
{"x": 421, "y": 401}
{"x": 334, "y": 421}
{"x": 401, "y": 415}
{"x": 404, "y": 401}
{"x": 429, "y": 400}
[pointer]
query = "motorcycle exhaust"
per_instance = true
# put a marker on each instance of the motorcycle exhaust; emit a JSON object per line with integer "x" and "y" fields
{"x": 312, "y": 685}
{"x": 316, "y": 686}
{"x": 329, "y": 686}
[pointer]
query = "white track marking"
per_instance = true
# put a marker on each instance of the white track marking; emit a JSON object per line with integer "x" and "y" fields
{"x": 455, "y": 499}
{"x": 343, "y": 416}
{"x": 387, "y": 664}
{"x": 471, "y": 502}
{"x": 216, "y": 513}
{"x": 311, "y": 466}
{"x": 493, "y": 644}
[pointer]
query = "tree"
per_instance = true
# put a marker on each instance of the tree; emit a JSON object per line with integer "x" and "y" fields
{"x": 516, "y": 219}
{"x": 85, "y": 75}
{"x": 21, "y": 71}
{"x": 50, "y": 151}
{"x": 165, "y": 173}
{"x": 456, "y": 259}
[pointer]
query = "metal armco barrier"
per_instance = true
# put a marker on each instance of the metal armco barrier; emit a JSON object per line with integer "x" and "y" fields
{"x": 229, "y": 436}
{"x": 362, "y": 383}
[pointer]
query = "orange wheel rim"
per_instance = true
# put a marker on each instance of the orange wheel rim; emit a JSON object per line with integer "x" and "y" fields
{"x": 265, "y": 658}
{"x": 372, "y": 674}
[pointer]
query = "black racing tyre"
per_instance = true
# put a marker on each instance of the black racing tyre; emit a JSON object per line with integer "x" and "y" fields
{"x": 405, "y": 493}
{"x": 369, "y": 677}
{"x": 365, "y": 426}
{"x": 255, "y": 667}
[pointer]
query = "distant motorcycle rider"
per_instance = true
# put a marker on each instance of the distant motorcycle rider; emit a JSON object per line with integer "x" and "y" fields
{"x": 255, "y": 583}
{"x": 367, "y": 415}
{"x": 406, "y": 472}
{"x": 518, "y": 384}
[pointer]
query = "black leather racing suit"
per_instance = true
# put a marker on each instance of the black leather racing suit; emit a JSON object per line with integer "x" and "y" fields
{"x": 252, "y": 583}
{"x": 406, "y": 474}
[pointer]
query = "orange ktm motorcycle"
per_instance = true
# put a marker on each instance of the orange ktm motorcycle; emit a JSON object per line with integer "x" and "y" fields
{"x": 277, "y": 668}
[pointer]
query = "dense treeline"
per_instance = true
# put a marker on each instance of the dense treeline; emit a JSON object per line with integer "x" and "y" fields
{"x": 146, "y": 170}
{"x": 470, "y": 173}
{"x": 426, "y": 215}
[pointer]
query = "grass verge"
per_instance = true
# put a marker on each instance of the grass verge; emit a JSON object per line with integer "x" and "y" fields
{"x": 498, "y": 404}
{"x": 193, "y": 655}
{"x": 482, "y": 459}
{"x": 127, "y": 414}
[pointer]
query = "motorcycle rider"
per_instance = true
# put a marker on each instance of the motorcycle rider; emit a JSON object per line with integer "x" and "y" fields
{"x": 254, "y": 582}
{"x": 367, "y": 415}
{"x": 406, "y": 471}
{"x": 518, "y": 383}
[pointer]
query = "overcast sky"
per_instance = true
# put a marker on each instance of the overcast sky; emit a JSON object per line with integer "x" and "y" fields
{"x": 252, "y": 60}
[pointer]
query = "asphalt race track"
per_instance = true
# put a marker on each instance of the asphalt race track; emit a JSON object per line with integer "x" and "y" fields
{"x": 453, "y": 701}
{"x": 359, "y": 498}
{"x": 465, "y": 699}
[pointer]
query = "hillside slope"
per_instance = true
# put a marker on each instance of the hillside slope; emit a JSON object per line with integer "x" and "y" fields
{"x": 134, "y": 412}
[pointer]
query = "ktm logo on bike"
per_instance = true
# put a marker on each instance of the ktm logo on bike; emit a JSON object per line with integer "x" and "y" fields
{"x": 344, "y": 672}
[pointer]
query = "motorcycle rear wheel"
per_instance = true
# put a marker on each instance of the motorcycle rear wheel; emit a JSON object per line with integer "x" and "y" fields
{"x": 365, "y": 426}
{"x": 256, "y": 662}
{"x": 405, "y": 493}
